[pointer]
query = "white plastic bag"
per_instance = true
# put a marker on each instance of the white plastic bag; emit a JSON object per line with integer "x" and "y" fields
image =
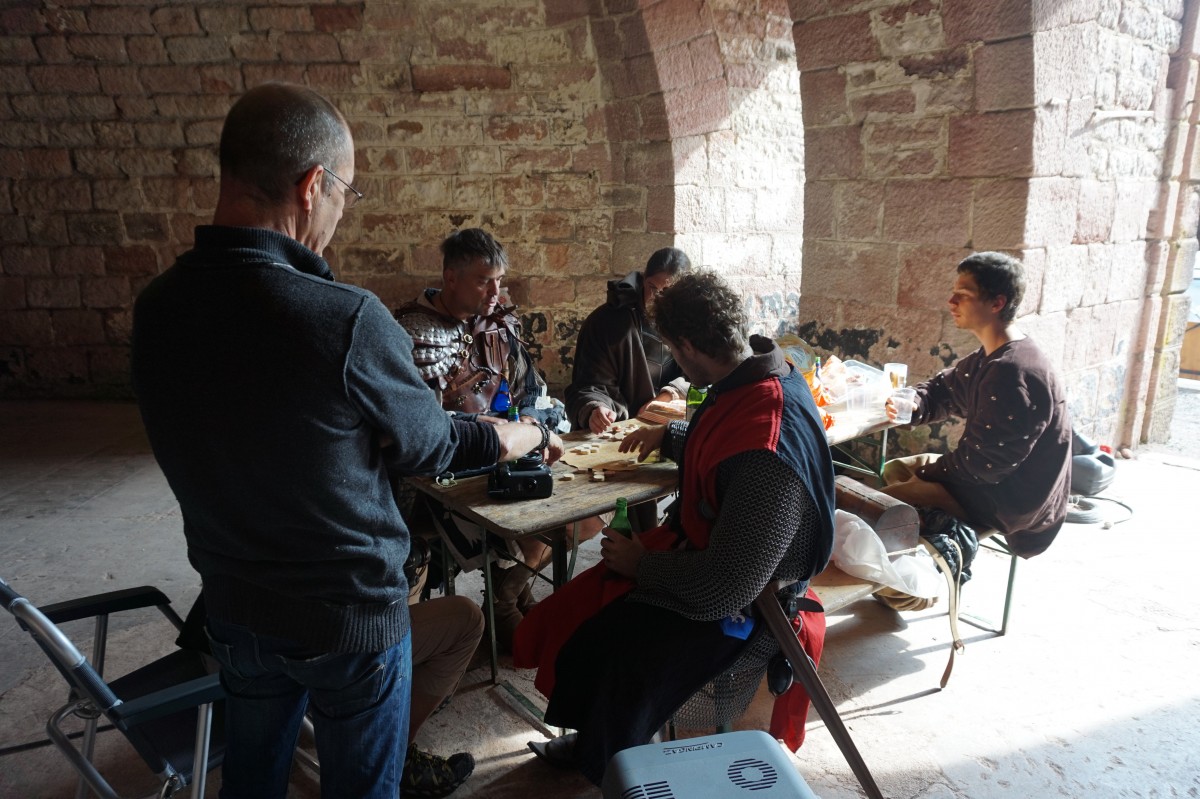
{"x": 858, "y": 551}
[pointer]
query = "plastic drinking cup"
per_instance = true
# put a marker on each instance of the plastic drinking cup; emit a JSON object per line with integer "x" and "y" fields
{"x": 904, "y": 400}
{"x": 896, "y": 375}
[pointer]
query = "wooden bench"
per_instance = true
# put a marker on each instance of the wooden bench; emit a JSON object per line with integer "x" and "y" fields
{"x": 895, "y": 522}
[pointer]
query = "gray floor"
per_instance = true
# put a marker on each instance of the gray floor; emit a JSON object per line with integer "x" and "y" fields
{"x": 1093, "y": 692}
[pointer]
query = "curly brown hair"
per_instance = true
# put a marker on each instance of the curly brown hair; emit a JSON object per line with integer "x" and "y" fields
{"x": 702, "y": 308}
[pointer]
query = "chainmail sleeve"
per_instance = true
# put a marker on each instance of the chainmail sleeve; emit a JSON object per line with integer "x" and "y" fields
{"x": 767, "y": 527}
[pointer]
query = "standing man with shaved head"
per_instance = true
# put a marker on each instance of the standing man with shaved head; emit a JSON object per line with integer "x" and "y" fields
{"x": 281, "y": 405}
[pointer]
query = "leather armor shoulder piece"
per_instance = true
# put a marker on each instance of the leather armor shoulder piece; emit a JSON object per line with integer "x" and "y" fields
{"x": 440, "y": 344}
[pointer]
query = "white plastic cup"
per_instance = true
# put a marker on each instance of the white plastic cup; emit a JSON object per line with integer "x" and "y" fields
{"x": 904, "y": 400}
{"x": 895, "y": 375}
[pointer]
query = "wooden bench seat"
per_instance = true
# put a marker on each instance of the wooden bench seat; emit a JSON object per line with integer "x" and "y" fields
{"x": 895, "y": 522}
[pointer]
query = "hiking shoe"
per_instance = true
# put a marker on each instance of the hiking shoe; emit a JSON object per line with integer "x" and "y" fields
{"x": 428, "y": 776}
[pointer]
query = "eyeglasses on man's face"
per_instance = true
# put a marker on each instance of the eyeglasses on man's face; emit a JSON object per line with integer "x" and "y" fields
{"x": 353, "y": 195}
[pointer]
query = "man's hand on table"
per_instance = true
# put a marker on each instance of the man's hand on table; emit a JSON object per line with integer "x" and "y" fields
{"x": 644, "y": 439}
{"x": 601, "y": 419}
{"x": 621, "y": 554}
{"x": 520, "y": 439}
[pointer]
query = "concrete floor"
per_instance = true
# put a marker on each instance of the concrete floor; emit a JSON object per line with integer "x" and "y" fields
{"x": 1094, "y": 691}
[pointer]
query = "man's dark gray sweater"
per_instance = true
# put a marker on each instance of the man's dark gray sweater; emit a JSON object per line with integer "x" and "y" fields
{"x": 280, "y": 405}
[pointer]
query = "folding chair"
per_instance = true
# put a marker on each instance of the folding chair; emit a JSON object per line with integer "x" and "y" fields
{"x": 165, "y": 709}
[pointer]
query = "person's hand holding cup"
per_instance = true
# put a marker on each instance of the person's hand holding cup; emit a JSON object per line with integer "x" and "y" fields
{"x": 901, "y": 404}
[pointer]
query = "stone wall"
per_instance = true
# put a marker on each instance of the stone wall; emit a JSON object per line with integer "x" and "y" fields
{"x": 938, "y": 128}
{"x": 587, "y": 134}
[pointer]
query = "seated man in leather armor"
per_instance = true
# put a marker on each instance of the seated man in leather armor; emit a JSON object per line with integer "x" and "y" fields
{"x": 467, "y": 347}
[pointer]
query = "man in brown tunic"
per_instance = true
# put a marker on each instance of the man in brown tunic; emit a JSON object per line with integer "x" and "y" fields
{"x": 1011, "y": 470}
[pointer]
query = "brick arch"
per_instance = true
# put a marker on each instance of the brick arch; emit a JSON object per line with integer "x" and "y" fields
{"x": 704, "y": 120}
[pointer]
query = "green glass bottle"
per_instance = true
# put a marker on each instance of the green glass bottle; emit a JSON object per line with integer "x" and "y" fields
{"x": 695, "y": 397}
{"x": 620, "y": 519}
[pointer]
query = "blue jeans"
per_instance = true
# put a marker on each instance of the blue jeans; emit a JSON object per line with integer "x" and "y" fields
{"x": 360, "y": 711}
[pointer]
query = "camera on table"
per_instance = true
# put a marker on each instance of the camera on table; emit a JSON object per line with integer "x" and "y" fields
{"x": 525, "y": 478}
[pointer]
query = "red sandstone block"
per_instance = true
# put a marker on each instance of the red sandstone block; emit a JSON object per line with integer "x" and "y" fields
{"x": 972, "y": 21}
{"x": 197, "y": 49}
{"x": 1004, "y": 75}
{"x": 852, "y": 271}
{"x": 22, "y": 20}
{"x": 550, "y": 225}
{"x": 224, "y": 20}
{"x": 834, "y": 41}
{"x": 171, "y": 79}
{"x": 334, "y": 78}
{"x": 904, "y": 164}
{"x": 137, "y": 259}
{"x": 823, "y": 96}
{"x": 858, "y": 210}
{"x": 281, "y": 18}
{"x": 146, "y": 50}
{"x": 78, "y": 326}
{"x": 330, "y": 19}
{"x": 119, "y": 79}
{"x": 119, "y": 21}
{"x": 449, "y": 78}
{"x": 307, "y": 48}
{"x": 632, "y": 38}
{"x": 660, "y": 208}
{"x": 95, "y": 228}
{"x": 53, "y": 50}
{"x": 927, "y": 275}
{"x": 890, "y": 101}
{"x": 12, "y": 293}
{"x": 672, "y": 21}
{"x": 253, "y": 47}
{"x": 58, "y": 365}
{"x": 460, "y": 49}
{"x": 115, "y": 195}
{"x": 596, "y": 158}
{"x": 98, "y": 48}
{"x": 707, "y": 62}
{"x": 261, "y": 73}
{"x": 998, "y": 214}
{"x": 77, "y": 261}
{"x": 26, "y": 328}
{"x": 47, "y": 162}
{"x": 63, "y": 194}
{"x": 697, "y": 109}
{"x": 67, "y": 79}
{"x": 899, "y": 134}
{"x": 435, "y": 160}
{"x": 16, "y": 80}
{"x": 145, "y": 227}
{"x": 25, "y": 260}
{"x": 673, "y": 67}
{"x": 536, "y": 159}
{"x": 833, "y": 152}
{"x": 818, "y": 208}
{"x": 519, "y": 191}
{"x": 41, "y": 292}
{"x": 927, "y": 211}
{"x": 509, "y": 129}
{"x": 992, "y": 145}
{"x": 221, "y": 79}
{"x": 571, "y": 191}
{"x": 175, "y": 20}
{"x": 18, "y": 50}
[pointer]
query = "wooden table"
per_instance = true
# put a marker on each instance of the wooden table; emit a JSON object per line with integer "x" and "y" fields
{"x": 580, "y": 498}
{"x": 573, "y": 501}
{"x": 849, "y": 425}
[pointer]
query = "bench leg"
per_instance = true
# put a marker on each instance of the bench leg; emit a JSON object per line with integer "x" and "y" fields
{"x": 804, "y": 670}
